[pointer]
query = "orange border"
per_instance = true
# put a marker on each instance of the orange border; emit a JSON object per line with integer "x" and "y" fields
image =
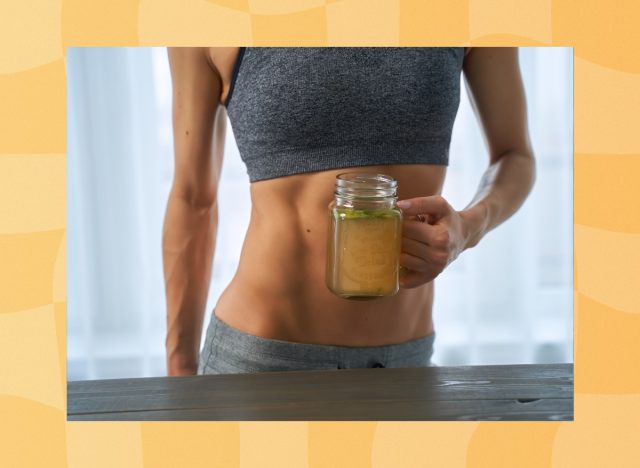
{"x": 606, "y": 43}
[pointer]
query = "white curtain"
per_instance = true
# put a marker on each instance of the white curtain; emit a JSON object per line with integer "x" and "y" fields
{"x": 507, "y": 300}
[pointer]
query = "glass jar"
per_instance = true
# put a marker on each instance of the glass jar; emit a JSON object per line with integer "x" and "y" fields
{"x": 365, "y": 232}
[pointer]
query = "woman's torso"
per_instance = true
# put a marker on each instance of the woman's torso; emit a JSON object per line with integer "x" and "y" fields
{"x": 279, "y": 288}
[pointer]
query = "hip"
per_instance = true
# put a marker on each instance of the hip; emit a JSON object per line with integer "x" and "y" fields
{"x": 229, "y": 350}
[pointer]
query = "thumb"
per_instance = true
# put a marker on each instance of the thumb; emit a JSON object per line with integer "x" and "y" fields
{"x": 432, "y": 205}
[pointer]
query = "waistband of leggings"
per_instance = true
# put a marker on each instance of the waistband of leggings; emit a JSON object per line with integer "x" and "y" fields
{"x": 242, "y": 339}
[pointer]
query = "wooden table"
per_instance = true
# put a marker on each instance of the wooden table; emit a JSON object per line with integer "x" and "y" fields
{"x": 512, "y": 392}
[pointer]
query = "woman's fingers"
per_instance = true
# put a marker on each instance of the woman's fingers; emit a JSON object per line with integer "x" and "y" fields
{"x": 434, "y": 257}
{"x": 410, "y": 262}
{"x": 434, "y": 205}
{"x": 421, "y": 232}
{"x": 410, "y": 279}
{"x": 426, "y": 248}
{"x": 420, "y": 263}
{"x": 429, "y": 243}
{"x": 415, "y": 248}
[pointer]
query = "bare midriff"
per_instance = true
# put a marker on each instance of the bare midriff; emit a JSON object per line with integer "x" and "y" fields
{"x": 279, "y": 290}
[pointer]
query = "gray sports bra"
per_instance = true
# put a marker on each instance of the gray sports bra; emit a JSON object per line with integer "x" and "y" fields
{"x": 296, "y": 110}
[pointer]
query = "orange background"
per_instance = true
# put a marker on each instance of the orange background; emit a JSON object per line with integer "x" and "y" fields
{"x": 606, "y": 41}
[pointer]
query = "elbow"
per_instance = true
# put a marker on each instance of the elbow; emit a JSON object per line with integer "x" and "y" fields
{"x": 202, "y": 201}
{"x": 197, "y": 198}
{"x": 523, "y": 162}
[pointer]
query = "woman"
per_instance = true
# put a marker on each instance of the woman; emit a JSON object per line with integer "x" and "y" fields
{"x": 300, "y": 117}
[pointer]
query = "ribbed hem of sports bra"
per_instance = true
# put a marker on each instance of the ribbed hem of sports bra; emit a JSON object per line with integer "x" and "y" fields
{"x": 271, "y": 164}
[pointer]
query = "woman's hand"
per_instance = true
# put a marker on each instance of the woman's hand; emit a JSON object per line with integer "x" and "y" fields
{"x": 181, "y": 364}
{"x": 434, "y": 234}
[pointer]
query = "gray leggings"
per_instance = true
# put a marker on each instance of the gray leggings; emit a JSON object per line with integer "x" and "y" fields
{"x": 228, "y": 350}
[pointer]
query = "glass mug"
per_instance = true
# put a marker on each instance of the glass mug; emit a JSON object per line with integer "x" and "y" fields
{"x": 364, "y": 241}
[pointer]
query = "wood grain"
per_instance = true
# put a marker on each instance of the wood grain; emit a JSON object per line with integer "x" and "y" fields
{"x": 515, "y": 392}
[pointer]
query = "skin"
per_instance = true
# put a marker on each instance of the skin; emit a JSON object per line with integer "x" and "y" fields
{"x": 278, "y": 290}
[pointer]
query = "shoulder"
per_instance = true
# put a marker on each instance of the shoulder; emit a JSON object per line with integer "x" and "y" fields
{"x": 490, "y": 59}
{"x": 188, "y": 56}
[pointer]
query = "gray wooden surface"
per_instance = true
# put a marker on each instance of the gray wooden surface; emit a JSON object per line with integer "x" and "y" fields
{"x": 512, "y": 392}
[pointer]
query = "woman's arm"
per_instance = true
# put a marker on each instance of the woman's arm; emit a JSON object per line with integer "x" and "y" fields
{"x": 190, "y": 223}
{"x": 497, "y": 95}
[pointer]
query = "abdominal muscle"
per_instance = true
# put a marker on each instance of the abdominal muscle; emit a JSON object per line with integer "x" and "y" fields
{"x": 279, "y": 289}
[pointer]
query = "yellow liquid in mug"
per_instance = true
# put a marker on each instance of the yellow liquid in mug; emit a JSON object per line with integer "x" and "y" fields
{"x": 364, "y": 251}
